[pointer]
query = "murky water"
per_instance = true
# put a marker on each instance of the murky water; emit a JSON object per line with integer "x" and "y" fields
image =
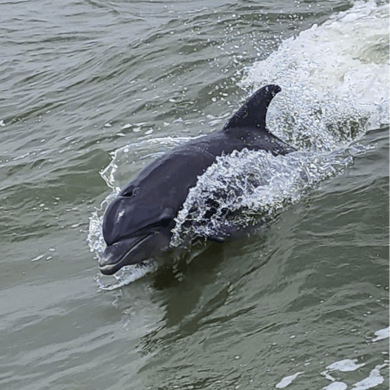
{"x": 93, "y": 91}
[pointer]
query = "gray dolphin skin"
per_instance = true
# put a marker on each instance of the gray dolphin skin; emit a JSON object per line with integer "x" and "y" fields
{"x": 138, "y": 224}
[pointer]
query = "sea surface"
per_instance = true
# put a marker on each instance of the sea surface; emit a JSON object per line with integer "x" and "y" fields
{"x": 92, "y": 91}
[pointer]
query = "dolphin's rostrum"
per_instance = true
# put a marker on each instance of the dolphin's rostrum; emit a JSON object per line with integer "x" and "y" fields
{"x": 138, "y": 224}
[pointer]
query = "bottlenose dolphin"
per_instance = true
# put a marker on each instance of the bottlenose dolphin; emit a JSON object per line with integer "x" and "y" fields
{"x": 138, "y": 224}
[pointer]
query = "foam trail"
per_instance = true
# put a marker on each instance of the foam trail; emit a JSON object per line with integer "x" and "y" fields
{"x": 334, "y": 77}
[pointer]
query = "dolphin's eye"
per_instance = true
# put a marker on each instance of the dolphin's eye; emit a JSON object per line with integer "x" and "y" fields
{"x": 129, "y": 192}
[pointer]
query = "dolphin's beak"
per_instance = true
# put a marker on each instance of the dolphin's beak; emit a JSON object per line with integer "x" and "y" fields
{"x": 133, "y": 250}
{"x": 124, "y": 252}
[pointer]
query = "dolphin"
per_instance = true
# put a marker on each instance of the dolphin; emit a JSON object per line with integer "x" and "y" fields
{"x": 138, "y": 224}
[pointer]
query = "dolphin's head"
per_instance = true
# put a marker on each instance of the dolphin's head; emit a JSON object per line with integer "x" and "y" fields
{"x": 134, "y": 231}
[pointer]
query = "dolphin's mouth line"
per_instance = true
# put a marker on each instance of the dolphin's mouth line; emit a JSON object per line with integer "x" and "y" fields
{"x": 133, "y": 247}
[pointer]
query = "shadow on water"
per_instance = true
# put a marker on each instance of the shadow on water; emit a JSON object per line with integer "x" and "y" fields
{"x": 193, "y": 293}
{"x": 175, "y": 273}
{"x": 203, "y": 266}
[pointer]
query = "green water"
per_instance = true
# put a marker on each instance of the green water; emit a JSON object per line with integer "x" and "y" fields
{"x": 309, "y": 290}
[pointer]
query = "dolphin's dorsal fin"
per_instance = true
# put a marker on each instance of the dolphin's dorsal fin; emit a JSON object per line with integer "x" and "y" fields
{"x": 252, "y": 114}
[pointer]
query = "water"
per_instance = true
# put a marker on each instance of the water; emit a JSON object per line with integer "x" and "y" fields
{"x": 301, "y": 304}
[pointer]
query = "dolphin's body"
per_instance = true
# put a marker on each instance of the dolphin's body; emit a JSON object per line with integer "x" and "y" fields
{"x": 138, "y": 224}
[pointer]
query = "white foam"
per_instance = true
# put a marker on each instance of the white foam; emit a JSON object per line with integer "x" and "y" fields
{"x": 374, "y": 379}
{"x": 95, "y": 233}
{"x": 287, "y": 380}
{"x": 382, "y": 334}
{"x": 336, "y": 386}
{"x": 349, "y": 365}
{"x": 333, "y": 73}
{"x": 345, "y": 365}
{"x": 38, "y": 258}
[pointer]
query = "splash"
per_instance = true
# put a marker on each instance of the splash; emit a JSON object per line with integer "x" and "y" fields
{"x": 247, "y": 188}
